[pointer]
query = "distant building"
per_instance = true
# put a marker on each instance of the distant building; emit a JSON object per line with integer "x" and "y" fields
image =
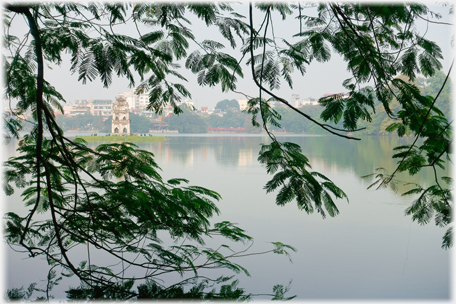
{"x": 102, "y": 107}
{"x": 120, "y": 117}
{"x": 130, "y": 97}
{"x": 341, "y": 95}
{"x": 189, "y": 103}
{"x": 204, "y": 110}
{"x": 217, "y": 112}
{"x": 277, "y": 104}
{"x": 142, "y": 100}
{"x": 67, "y": 108}
{"x": 242, "y": 104}
{"x": 81, "y": 107}
{"x": 136, "y": 101}
{"x": 295, "y": 101}
{"x": 309, "y": 102}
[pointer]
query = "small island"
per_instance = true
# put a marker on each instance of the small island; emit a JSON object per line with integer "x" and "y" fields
{"x": 121, "y": 126}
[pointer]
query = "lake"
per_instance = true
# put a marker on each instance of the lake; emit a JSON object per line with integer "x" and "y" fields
{"x": 370, "y": 251}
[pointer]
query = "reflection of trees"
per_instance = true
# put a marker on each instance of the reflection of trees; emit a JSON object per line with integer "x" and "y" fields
{"x": 227, "y": 151}
{"x": 329, "y": 153}
{"x": 176, "y": 149}
{"x": 361, "y": 157}
{"x": 231, "y": 151}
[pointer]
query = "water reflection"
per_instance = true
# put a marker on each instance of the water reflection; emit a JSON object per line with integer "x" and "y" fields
{"x": 369, "y": 251}
{"x": 245, "y": 157}
{"x": 328, "y": 154}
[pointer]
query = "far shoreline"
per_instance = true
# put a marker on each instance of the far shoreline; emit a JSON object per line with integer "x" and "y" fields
{"x": 120, "y": 138}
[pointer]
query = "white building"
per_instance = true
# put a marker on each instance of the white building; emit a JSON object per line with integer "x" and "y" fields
{"x": 130, "y": 97}
{"x": 142, "y": 100}
{"x": 189, "y": 103}
{"x": 136, "y": 101}
{"x": 295, "y": 101}
{"x": 101, "y": 107}
{"x": 309, "y": 102}
{"x": 242, "y": 104}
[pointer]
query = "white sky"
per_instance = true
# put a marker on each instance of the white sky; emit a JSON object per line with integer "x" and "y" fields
{"x": 321, "y": 78}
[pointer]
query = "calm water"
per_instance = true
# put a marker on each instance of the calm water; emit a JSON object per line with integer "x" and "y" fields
{"x": 369, "y": 251}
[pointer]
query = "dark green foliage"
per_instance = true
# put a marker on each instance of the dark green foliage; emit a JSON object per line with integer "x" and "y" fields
{"x": 380, "y": 44}
{"x": 85, "y": 122}
{"x": 151, "y": 290}
{"x": 351, "y": 108}
{"x": 230, "y": 119}
{"x": 196, "y": 288}
{"x": 431, "y": 87}
{"x": 19, "y": 294}
{"x": 11, "y": 127}
{"x": 295, "y": 182}
{"x": 117, "y": 213}
{"x": 139, "y": 124}
{"x": 113, "y": 198}
{"x": 187, "y": 122}
{"x": 226, "y": 104}
{"x": 433, "y": 201}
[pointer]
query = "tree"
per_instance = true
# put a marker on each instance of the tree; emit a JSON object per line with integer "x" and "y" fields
{"x": 139, "y": 124}
{"x": 432, "y": 86}
{"x": 186, "y": 122}
{"x": 73, "y": 183}
{"x": 230, "y": 119}
{"x": 226, "y": 104}
{"x": 378, "y": 42}
{"x": 80, "y": 122}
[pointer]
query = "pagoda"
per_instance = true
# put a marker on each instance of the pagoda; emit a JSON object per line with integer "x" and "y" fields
{"x": 120, "y": 117}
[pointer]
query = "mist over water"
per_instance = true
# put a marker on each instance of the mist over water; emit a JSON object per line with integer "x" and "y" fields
{"x": 371, "y": 250}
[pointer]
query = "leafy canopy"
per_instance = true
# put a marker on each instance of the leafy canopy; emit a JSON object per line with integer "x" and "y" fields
{"x": 113, "y": 198}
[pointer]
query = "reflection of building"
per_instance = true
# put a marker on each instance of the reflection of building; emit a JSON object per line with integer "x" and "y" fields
{"x": 204, "y": 153}
{"x": 245, "y": 157}
{"x": 120, "y": 117}
{"x": 187, "y": 159}
{"x": 319, "y": 164}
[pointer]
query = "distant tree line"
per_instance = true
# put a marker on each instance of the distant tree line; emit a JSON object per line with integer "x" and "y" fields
{"x": 84, "y": 122}
{"x": 230, "y": 116}
{"x": 89, "y": 122}
{"x": 293, "y": 122}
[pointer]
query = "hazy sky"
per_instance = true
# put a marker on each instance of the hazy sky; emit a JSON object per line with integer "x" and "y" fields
{"x": 320, "y": 78}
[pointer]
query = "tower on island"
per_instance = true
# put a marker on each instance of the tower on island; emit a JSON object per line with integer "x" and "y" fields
{"x": 120, "y": 117}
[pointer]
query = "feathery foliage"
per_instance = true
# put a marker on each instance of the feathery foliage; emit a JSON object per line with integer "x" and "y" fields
{"x": 113, "y": 198}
